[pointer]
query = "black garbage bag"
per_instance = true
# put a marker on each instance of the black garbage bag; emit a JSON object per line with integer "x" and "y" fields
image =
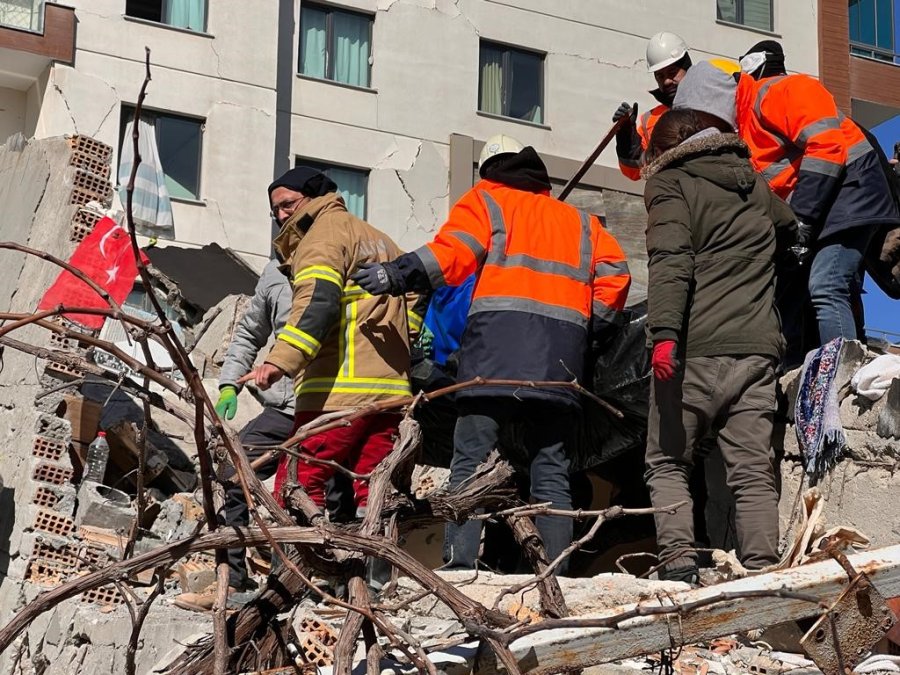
{"x": 621, "y": 377}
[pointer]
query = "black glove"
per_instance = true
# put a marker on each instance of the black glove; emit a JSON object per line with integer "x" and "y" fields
{"x": 802, "y": 248}
{"x": 628, "y": 142}
{"x": 378, "y": 278}
{"x": 623, "y": 110}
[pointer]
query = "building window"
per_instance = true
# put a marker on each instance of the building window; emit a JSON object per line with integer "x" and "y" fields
{"x": 353, "y": 184}
{"x": 179, "y": 143}
{"x": 188, "y": 14}
{"x": 335, "y": 45}
{"x": 511, "y": 82}
{"x": 750, "y": 13}
{"x": 24, "y": 14}
{"x": 872, "y": 28}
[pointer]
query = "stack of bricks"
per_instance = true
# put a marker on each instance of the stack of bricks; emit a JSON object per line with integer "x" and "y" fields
{"x": 90, "y": 162}
{"x": 57, "y": 553}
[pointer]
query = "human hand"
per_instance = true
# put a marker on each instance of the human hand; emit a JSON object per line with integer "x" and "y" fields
{"x": 263, "y": 376}
{"x": 376, "y": 278}
{"x": 663, "y": 360}
{"x": 227, "y": 404}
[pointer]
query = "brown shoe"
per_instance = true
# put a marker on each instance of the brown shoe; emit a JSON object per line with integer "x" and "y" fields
{"x": 199, "y": 602}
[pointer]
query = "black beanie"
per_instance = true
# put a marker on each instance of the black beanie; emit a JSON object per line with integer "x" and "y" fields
{"x": 774, "y": 64}
{"x": 306, "y": 180}
{"x": 769, "y": 46}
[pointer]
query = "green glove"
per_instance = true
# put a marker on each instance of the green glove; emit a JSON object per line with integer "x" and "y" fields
{"x": 426, "y": 341}
{"x": 226, "y": 406}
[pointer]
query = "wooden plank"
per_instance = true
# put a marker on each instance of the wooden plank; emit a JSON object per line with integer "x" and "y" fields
{"x": 557, "y": 650}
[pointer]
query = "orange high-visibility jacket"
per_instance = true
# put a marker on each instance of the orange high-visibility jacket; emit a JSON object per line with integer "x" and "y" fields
{"x": 631, "y": 166}
{"x": 810, "y": 153}
{"x": 546, "y": 274}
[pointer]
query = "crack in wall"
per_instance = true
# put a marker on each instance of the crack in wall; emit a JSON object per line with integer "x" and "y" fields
{"x": 66, "y": 103}
{"x": 599, "y": 61}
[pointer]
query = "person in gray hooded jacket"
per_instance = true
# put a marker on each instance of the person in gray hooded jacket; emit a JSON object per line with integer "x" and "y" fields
{"x": 268, "y": 312}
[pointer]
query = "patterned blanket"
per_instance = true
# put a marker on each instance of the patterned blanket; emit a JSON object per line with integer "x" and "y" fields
{"x": 817, "y": 416}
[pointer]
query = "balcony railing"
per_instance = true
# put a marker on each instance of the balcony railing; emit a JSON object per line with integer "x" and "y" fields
{"x": 23, "y": 14}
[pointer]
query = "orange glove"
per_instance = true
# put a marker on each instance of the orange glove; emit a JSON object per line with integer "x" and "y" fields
{"x": 663, "y": 360}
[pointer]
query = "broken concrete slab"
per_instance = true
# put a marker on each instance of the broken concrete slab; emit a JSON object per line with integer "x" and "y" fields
{"x": 104, "y": 507}
{"x": 553, "y": 650}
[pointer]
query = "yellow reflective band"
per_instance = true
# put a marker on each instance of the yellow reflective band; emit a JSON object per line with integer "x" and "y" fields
{"x": 354, "y": 385}
{"x": 319, "y": 272}
{"x": 351, "y": 338}
{"x": 415, "y": 321}
{"x": 353, "y": 293}
{"x": 300, "y": 339}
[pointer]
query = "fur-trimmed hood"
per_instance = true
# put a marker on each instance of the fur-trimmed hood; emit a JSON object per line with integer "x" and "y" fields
{"x": 718, "y": 157}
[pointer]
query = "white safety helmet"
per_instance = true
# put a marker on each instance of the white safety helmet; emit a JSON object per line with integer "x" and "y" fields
{"x": 499, "y": 144}
{"x": 663, "y": 50}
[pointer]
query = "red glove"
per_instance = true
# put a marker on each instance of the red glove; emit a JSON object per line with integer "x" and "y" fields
{"x": 663, "y": 360}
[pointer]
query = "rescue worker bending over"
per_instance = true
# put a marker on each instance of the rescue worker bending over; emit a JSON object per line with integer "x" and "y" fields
{"x": 547, "y": 274}
{"x": 820, "y": 162}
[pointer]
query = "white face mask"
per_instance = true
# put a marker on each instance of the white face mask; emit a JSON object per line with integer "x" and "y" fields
{"x": 752, "y": 62}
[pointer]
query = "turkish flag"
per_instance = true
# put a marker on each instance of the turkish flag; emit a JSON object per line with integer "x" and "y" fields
{"x": 104, "y": 256}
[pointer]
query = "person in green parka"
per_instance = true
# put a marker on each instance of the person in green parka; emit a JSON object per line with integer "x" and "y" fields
{"x": 713, "y": 232}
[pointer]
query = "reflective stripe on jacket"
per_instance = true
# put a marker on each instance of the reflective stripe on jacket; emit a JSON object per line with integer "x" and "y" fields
{"x": 810, "y": 153}
{"x": 631, "y": 166}
{"x": 544, "y": 271}
{"x": 343, "y": 346}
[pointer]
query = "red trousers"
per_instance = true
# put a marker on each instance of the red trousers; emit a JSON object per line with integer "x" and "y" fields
{"x": 359, "y": 447}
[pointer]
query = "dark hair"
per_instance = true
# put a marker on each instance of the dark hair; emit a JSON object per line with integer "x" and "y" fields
{"x": 676, "y": 126}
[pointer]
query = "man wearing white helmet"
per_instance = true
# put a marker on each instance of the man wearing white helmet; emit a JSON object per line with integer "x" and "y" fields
{"x": 668, "y": 60}
{"x": 547, "y": 278}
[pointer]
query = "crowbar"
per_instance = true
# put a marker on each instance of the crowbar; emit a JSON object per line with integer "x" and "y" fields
{"x": 589, "y": 162}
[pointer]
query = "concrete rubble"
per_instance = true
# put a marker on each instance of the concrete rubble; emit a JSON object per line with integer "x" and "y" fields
{"x": 55, "y": 527}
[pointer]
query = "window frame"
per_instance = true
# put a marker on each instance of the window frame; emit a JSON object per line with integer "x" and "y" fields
{"x": 323, "y": 165}
{"x": 125, "y": 117}
{"x": 739, "y": 18}
{"x": 505, "y": 94}
{"x": 162, "y": 13}
{"x": 874, "y": 51}
{"x": 329, "y": 11}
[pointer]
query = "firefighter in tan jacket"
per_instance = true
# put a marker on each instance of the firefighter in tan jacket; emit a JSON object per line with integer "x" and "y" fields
{"x": 343, "y": 347}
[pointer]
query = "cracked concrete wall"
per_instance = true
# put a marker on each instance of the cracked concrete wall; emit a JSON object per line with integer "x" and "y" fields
{"x": 226, "y": 77}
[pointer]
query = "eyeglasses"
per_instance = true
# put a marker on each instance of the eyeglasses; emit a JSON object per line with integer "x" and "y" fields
{"x": 287, "y": 206}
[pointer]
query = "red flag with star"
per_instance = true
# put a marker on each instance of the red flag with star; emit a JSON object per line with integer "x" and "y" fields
{"x": 104, "y": 256}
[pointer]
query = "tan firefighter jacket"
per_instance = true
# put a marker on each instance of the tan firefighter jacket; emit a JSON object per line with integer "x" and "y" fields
{"x": 343, "y": 347}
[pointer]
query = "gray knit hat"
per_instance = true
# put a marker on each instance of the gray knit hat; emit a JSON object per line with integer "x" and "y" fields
{"x": 708, "y": 89}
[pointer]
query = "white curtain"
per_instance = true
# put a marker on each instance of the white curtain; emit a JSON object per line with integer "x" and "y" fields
{"x": 491, "y": 81}
{"x": 151, "y": 204}
{"x": 352, "y": 186}
{"x": 190, "y": 14}
{"x": 351, "y": 48}
{"x": 312, "y": 42}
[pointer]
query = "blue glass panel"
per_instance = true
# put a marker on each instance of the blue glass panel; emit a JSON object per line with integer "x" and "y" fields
{"x": 885, "y": 24}
{"x": 867, "y": 22}
{"x": 854, "y": 20}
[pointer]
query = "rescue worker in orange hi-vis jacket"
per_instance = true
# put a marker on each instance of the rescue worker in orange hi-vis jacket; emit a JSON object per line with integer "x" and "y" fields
{"x": 343, "y": 347}
{"x": 547, "y": 277}
{"x": 668, "y": 60}
{"x": 818, "y": 160}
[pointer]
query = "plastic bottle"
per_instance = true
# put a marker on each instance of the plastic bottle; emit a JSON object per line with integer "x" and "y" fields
{"x": 97, "y": 457}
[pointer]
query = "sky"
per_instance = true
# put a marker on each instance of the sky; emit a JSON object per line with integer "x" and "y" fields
{"x": 882, "y": 313}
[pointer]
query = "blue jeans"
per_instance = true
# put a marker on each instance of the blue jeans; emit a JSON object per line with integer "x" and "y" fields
{"x": 475, "y": 436}
{"x": 835, "y": 282}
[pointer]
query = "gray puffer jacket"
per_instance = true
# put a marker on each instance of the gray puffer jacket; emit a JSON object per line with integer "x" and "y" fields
{"x": 268, "y": 312}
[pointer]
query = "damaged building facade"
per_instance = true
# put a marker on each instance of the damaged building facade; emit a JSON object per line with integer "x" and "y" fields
{"x": 242, "y": 91}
